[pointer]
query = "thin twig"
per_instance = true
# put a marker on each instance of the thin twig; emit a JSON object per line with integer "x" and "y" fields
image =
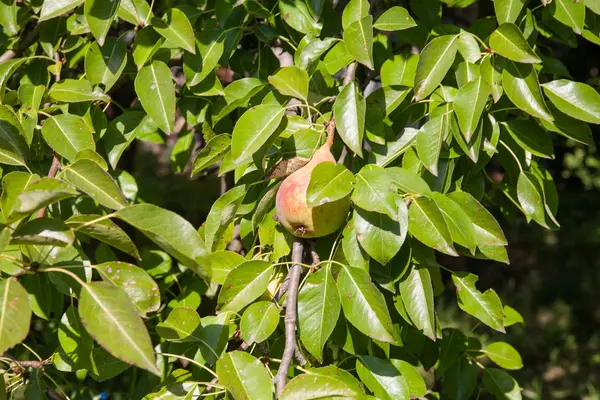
{"x": 350, "y": 72}
{"x": 291, "y": 304}
{"x": 24, "y": 44}
{"x": 51, "y": 174}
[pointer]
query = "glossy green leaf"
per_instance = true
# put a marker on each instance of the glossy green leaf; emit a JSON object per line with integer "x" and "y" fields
{"x": 109, "y": 316}
{"x": 429, "y": 141}
{"x": 569, "y": 13}
{"x": 221, "y": 214}
{"x": 99, "y": 15}
{"x": 531, "y": 137}
{"x": 147, "y": 42}
{"x": 254, "y": 128}
{"x": 394, "y": 19}
{"x": 244, "y": 284}
{"x": 469, "y": 103}
{"x": 105, "y": 231}
{"x": 136, "y": 12}
{"x": 374, "y": 192}
{"x": 487, "y": 230}
{"x": 530, "y": 195}
{"x": 183, "y": 324}
{"x": 349, "y": 110}
{"x": 427, "y": 224}
{"x": 382, "y": 378}
{"x": 507, "y": 10}
{"x": 13, "y": 147}
{"x": 90, "y": 178}
{"x": 329, "y": 182}
{"x": 244, "y": 376}
{"x": 314, "y": 49}
{"x": 41, "y": 193}
{"x": 354, "y": 11}
{"x": 139, "y": 286}
{"x": 298, "y": 16}
{"x": 318, "y": 309}
{"x": 379, "y": 235}
{"x": 571, "y": 128}
{"x": 461, "y": 228}
{"x": 509, "y": 42}
{"x": 176, "y": 28}
{"x": 51, "y": 9}
{"x": 512, "y": 316}
{"x": 337, "y": 58}
{"x": 322, "y": 382}
{"x": 520, "y": 82}
{"x": 210, "y": 46}
{"x": 399, "y": 70}
{"x": 121, "y": 133}
{"x": 417, "y": 295}
{"x": 434, "y": 63}
{"x": 171, "y": 232}
{"x": 291, "y": 81}
{"x": 486, "y": 306}
{"x": 43, "y": 231}
{"x": 501, "y": 384}
{"x": 67, "y": 135}
{"x": 259, "y": 321}
{"x": 211, "y": 153}
{"x": 15, "y": 314}
{"x": 575, "y": 99}
{"x": 104, "y": 65}
{"x": 416, "y": 383}
{"x": 155, "y": 89}
{"x": 358, "y": 38}
{"x": 504, "y": 355}
{"x": 363, "y": 304}
{"x": 407, "y": 181}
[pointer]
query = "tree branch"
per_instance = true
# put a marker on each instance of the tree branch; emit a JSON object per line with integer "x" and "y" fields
{"x": 291, "y": 312}
{"x": 51, "y": 174}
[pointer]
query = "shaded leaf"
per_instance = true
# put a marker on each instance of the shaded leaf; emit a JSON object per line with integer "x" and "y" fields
{"x": 15, "y": 314}
{"x": 176, "y": 28}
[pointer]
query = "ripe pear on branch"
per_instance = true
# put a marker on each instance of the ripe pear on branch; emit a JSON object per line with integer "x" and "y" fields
{"x": 293, "y": 212}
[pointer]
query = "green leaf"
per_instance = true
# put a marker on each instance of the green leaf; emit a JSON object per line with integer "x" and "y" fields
{"x": 99, "y": 15}
{"x": 461, "y": 379}
{"x": 67, "y": 135}
{"x": 407, "y": 181}
{"x": 183, "y": 324}
{"x": 318, "y": 310}
{"x": 399, "y": 70}
{"x": 509, "y": 42}
{"x": 434, "y": 63}
{"x": 254, "y": 128}
{"x": 221, "y": 214}
{"x": 487, "y": 229}
{"x": 135, "y": 12}
{"x": 501, "y": 384}
{"x": 382, "y": 378}
{"x": 417, "y": 295}
{"x": 504, "y": 355}
{"x": 592, "y": 5}
{"x": 507, "y": 10}
{"x": 374, "y": 192}
{"x": 121, "y": 132}
{"x": 13, "y": 147}
{"x": 358, "y": 38}
{"x": 8, "y": 18}
{"x": 329, "y": 182}
{"x": 90, "y": 178}
{"x": 297, "y": 15}
{"x": 324, "y": 382}
{"x": 104, "y": 65}
{"x": 176, "y": 28}
{"x": 15, "y": 314}
{"x": 337, "y": 58}
{"x": 530, "y": 195}
{"x": 105, "y": 231}
{"x": 147, "y": 42}
{"x": 571, "y": 128}
{"x": 394, "y": 19}
{"x": 427, "y": 224}
{"x": 520, "y": 82}
{"x": 512, "y": 316}
{"x": 45, "y": 300}
{"x": 169, "y": 231}
{"x": 531, "y": 137}
{"x": 379, "y": 235}
{"x": 486, "y": 306}
{"x": 259, "y": 321}
{"x": 244, "y": 376}
{"x": 109, "y": 316}
{"x": 43, "y": 231}
{"x": 461, "y": 228}
{"x": 198, "y": 66}
{"x": 212, "y": 152}
{"x": 354, "y": 11}
{"x": 155, "y": 89}
{"x": 349, "y": 110}
{"x": 291, "y": 81}
{"x": 415, "y": 381}
{"x": 41, "y": 193}
{"x": 139, "y": 286}
{"x": 575, "y": 99}
{"x": 244, "y": 284}
{"x": 429, "y": 141}
{"x": 569, "y": 13}
{"x": 469, "y": 103}
{"x": 54, "y": 8}
{"x": 314, "y": 49}
{"x": 364, "y": 305}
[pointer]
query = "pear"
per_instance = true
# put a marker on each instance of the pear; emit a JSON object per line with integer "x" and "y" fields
{"x": 293, "y": 212}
